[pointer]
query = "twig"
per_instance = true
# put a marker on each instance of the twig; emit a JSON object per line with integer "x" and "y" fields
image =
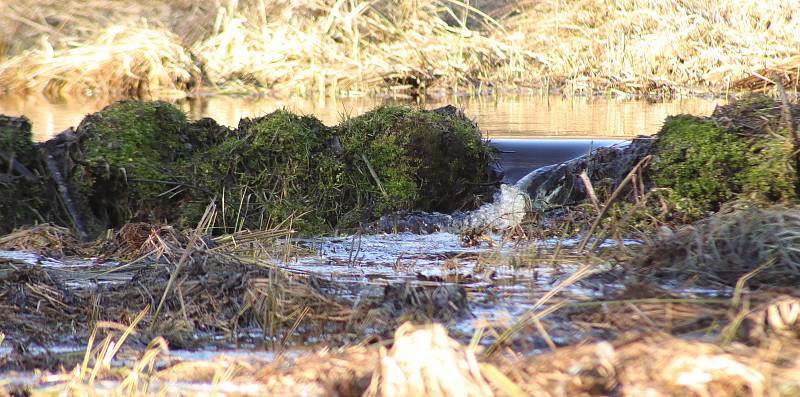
{"x": 787, "y": 120}
{"x": 611, "y": 200}
{"x": 196, "y": 236}
{"x": 374, "y": 175}
{"x": 15, "y": 165}
{"x": 66, "y": 197}
{"x": 587, "y": 183}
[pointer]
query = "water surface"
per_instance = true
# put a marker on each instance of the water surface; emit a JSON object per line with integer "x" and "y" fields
{"x": 499, "y": 117}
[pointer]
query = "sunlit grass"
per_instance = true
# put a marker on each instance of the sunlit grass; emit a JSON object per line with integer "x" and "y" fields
{"x": 354, "y": 47}
{"x": 120, "y": 61}
{"x": 650, "y": 45}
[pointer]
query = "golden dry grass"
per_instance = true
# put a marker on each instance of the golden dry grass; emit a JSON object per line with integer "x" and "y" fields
{"x": 646, "y": 45}
{"x": 338, "y": 47}
{"x": 119, "y": 62}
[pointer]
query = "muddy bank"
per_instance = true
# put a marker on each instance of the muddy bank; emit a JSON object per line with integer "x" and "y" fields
{"x": 143, "y": 161}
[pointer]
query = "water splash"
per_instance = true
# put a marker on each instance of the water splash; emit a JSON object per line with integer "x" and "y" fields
{"x": 505, "y": 212}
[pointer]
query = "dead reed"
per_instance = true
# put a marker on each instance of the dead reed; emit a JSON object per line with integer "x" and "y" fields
{"x": 117, "y": 62}
{"x": 47, "y": 240}
{"x": 334, "y": 47}
{"x": 658, "y": 365}
{"x": 728, "y": 245}
{"x": 654, "y": 46}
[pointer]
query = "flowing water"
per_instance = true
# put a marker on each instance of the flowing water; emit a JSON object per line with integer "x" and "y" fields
{"x": 503, "y": 278}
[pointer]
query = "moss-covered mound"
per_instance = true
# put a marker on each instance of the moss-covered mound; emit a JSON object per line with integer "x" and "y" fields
{"x": 20, "y": 189}
{"x": 128, "y": 157}
{"x": 270, "y": 169}
{"x": 141, "y": 161}
{"x": 405, "y": 159}
{"x": 283, "y": 166}
{"x": 742, "y": 152}
{"x": 16, "y": 139}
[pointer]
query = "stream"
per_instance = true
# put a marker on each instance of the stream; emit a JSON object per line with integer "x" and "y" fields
{"x": 503, "y": 278}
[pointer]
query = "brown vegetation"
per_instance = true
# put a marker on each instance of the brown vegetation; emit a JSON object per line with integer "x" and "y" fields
{"x": 338, "y": 48}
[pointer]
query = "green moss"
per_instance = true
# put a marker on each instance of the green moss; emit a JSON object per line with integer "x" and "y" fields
{"x": 771, "y": 173}
{"x": 699, "y": 161}
{"x": 21, "y": 201}
{"x": 143, "y": 161}
{"x": 287, "y": 166}
{"x": 16, "y": 139}
{"x": 709, "y": 161}
{"x": 272, "y": 168}
{"x": 424, "y": 160}
{"x": 129, "y": 151}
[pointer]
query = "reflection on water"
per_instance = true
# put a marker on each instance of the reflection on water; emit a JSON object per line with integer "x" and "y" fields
{"x": 499, "y": 117}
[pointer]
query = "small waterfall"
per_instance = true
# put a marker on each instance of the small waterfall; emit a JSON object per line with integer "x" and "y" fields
{"x": 511, "y": 203}
{"x": 505, "y": 212}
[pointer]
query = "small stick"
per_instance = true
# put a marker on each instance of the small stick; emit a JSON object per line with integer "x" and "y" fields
{"x": 66, "y": 197}
{"x": 587, "y": 183}
{"x": 374, "y": 175}
{"x": 190, "y": 247}
{"x": 786, "y": 117}
{"x": 614, "y": 196}
{"x": 15, "y": 165}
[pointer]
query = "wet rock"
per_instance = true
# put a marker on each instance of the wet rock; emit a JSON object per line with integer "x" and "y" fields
{"x": 559, "y": 184}
{"x": 415, "y": 222}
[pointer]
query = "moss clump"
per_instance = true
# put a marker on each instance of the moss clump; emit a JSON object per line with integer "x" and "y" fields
{"x": 708, "y": 161}
{"x": 268, "y": 170}
{"x": 141, "y": 161}
{"x": 16, "y": 139}
{"x": 129, "y": 152}
{"x": 423, "y": 160}
{"x": 21, "y": 200}
{"x": 391, "y": 159}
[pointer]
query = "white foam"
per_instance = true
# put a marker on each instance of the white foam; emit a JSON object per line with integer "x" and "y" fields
{"x": 505, "y": 212}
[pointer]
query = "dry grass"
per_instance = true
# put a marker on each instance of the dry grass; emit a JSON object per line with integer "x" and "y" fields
{"x": 759, "y": 243}
{"x": 658, "y": 365}
{"x": 424, "y": 361}
{"x": 119, "y": 61}
{"x": 337, "y": 47}
{"x": 652, "y": 45}
{"x": 47, "y": 240}
{"x": 307, "y": 46}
